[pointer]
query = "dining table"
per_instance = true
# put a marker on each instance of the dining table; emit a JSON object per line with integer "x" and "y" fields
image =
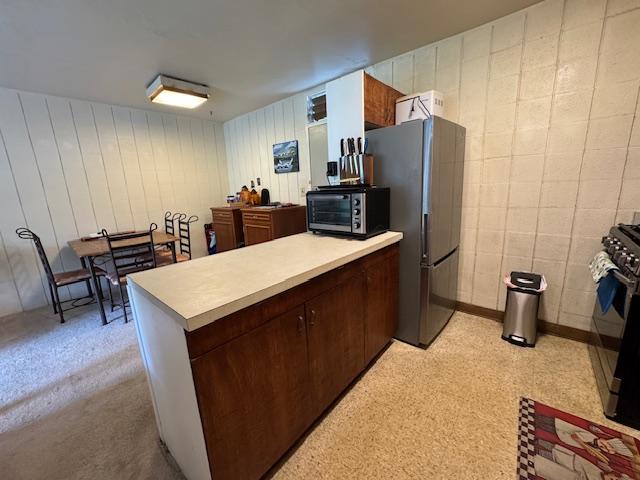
{"x": 89, "y": 248}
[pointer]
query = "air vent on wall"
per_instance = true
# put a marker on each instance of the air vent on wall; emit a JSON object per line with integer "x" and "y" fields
{"x": 316, "y": 107}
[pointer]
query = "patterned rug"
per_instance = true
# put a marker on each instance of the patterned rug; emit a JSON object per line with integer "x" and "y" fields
{"x": 555, "y": 445}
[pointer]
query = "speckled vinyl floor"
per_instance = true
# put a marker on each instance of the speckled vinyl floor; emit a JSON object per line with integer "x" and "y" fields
{"x": 449, "y": 411}
{"x": 74, "y": 404}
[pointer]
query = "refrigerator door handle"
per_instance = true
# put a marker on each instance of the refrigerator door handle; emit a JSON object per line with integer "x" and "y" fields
{"x": 424, "y": 228}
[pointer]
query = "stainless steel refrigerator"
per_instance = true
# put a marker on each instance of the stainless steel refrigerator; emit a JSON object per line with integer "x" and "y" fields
{"x": 422, "y": 161}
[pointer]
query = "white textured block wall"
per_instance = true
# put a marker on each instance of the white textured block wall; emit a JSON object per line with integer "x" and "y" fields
{"x": 549, "y": 97}
{"x": 69, "y": 168}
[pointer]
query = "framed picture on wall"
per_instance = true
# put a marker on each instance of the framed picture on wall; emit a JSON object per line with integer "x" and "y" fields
{"x": 285, "y": 157}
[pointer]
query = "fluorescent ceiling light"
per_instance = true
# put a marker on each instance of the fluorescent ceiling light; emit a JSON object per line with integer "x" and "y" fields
{"x": 177, "y": 93}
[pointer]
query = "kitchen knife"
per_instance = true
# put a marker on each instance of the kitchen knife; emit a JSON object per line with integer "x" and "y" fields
{"x": 342, "y": 151}
{"x": 350, "y": 146}
{"x": 354, "y": 161}
{"x": 360, "y": 146}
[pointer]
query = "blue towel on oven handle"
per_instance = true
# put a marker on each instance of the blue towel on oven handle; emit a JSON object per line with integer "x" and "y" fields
{"x": 607, "y": 288}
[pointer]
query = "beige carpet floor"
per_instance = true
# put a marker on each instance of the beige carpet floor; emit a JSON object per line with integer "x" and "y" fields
{"x": 74, "y": 404}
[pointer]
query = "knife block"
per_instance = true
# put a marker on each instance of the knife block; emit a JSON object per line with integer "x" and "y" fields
{"x": 356, "y": 169}
{"x": 367, "y": 169}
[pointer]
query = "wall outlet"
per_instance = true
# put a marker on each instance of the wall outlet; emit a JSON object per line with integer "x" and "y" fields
{"x": 303, "y": 191}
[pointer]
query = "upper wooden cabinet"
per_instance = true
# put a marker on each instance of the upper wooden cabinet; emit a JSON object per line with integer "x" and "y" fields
{"x": 264, "y": 224}
{"x": 379, "y": 103}
{"x": 355, "y": 103}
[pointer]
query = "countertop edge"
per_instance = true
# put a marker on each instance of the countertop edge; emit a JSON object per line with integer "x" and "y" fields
{"x": 200, "y": 320}
{"x": 161, "y": 305}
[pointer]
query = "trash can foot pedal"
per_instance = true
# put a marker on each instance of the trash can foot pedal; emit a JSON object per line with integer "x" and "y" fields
{"x": 515, "y": 340}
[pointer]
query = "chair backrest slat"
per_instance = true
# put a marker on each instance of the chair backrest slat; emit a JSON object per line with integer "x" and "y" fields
{"x": 184, "y": 232}
{"x": 132, "y": 252}
{"x": 27, "y": 234}
{"x": 169, "y": 226}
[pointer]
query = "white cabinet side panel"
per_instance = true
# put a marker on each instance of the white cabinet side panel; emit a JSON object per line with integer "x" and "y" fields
{"x": 345, "y": 110}
{"x": 164, "y": 350}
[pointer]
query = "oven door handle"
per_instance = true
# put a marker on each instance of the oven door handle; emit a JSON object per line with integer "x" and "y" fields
{"x": 622, "y": 279}
{"x": 312, "y": 197}
{"x": 630, "y": 286}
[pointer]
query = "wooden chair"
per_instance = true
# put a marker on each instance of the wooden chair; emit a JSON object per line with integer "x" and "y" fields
{"x": 130, "y": 253}
{"x": 184, "y": 232}
{"x": 62, "y": 279}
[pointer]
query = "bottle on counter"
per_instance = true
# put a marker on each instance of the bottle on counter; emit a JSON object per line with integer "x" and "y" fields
{"x": 245, "y": 195}
{"x": 264, "y": 194}
{"x": 255, "y": 196}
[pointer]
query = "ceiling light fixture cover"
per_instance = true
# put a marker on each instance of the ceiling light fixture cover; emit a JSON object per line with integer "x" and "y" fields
{"x": 176, "y": 92}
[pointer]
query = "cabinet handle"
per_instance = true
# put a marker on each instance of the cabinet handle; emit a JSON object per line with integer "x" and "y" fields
{"x": 313, "y": 314}
{"x": 300, "y": 323}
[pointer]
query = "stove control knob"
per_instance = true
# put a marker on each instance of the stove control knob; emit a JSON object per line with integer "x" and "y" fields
{"x": 619, "y": 256}
{"x": 356, "y": 212}
{"x": 356, "y": 226}
{"x": 633, "y": 261}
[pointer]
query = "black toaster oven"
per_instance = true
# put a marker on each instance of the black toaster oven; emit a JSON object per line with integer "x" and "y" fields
{"x": 352, "y": 211}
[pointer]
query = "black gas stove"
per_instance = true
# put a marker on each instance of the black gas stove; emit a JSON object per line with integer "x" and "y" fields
{"x": 623, "y": 246}
{"x": 615, "y": 350}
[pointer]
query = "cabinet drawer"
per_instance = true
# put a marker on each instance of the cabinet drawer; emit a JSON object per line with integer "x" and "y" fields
{"x": 256, "y": 218}
{"x": 222, "y": 217}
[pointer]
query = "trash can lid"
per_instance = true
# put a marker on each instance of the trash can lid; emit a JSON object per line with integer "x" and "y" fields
{"x": 526, "y": 280}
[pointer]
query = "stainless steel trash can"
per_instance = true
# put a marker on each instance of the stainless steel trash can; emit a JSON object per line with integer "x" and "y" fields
{"x": 521, "y": 311}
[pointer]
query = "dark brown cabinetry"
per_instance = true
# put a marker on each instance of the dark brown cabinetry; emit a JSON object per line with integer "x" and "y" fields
{"x": 254, "y": 396}
{"x": 227, "y": 223}
{"x": 381, "y": 309}
{"x": 264, "y": 224}
{"x": 379, "y": 103}
{"x": 264, "y": 374}
{"x": 335, "y": 322}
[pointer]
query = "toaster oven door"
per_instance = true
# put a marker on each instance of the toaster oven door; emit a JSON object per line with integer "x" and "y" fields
{"x": 329, "y": 212}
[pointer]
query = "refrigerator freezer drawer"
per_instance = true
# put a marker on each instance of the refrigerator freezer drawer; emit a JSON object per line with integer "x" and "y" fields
{"x": 439, "y": 289}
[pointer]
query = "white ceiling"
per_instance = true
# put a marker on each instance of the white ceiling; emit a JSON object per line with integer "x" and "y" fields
{"x": 251, "y": 52}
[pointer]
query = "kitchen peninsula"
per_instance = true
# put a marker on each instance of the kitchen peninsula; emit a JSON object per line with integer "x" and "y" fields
{"x": 245, "y": 350}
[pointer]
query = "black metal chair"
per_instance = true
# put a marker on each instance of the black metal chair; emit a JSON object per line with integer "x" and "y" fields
{"x": 184, "y": 232}
{"x": 62, "y": 279}
{"x": 130, "y": 253}
{"x": 170, "y": 221}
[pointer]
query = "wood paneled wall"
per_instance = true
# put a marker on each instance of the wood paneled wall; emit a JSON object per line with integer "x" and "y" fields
{"x": 70, "y": 167}
{"x": 249, "y": 141}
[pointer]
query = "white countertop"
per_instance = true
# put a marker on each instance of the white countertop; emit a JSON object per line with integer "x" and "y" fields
{"x": 203, "y": 290}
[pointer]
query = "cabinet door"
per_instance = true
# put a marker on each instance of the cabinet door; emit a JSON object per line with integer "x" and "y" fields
{"x": 335, "y": 322}
{"x": 225, "y": 237}
{"x": 253, "y": 394}
{"x": 381, "y": 305}
{"x": 256, "y": 234}
{"x": 379, "y": 103}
